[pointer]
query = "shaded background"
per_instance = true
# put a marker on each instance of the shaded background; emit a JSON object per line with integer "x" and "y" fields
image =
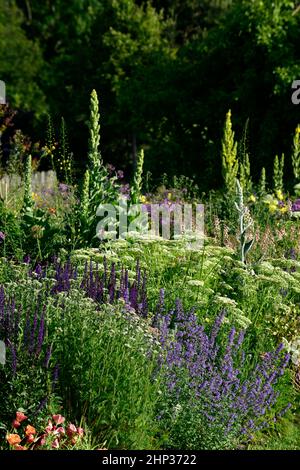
{"x": 166, "y": 72}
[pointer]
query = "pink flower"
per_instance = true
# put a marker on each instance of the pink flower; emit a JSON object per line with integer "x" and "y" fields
{"x": 80, "y": 431}
{"x": 16, "y": 424}
{"x": 30, "y": 438}
{"x": 59, "y": 430}
{"x": 58, "y": 419}
{"x": 55, "y": 444}
{"x": 20, "y": 416}
{"x": 71, "y": 429}
{"x": 49, "y": 428}
{"x": 42, "y": 440}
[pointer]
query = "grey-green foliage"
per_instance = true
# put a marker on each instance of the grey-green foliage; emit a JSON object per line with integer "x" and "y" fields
{"x": 244, "y": 225}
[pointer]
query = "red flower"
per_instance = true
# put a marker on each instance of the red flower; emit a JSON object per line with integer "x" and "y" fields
{"x": 16, "y": 424}
{"x": 71, "y": 429}
{"x": 18, "y": 447}
{"x": 80, "y": 431}
{"x": 42, "y": 441}
{"x": 20, "y": 416}
{"x": 55, "y": 444}
{"x": 58, "y": 419}
{"x": 59, "y": 430}
{"x": 49, "y": 428}
{"x": 30, "y": 438}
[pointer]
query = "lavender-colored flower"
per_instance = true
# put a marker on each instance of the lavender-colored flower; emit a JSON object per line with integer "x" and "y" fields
{"x": 2, "y": 236}
{"x": 196, "y": 366}
{"x": 296, "y": 206}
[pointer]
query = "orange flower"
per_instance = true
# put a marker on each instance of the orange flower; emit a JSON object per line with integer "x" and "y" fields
{"x": 20, "y": 416}
{"x": 30, "y": 430}
{"x": 18, "y": 447}
{"x": 13, "y": 439}
{"x": 52, "y": 210}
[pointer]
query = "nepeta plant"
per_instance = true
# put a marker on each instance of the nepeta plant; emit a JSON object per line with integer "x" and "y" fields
{"x": 278, "y": 173}
{"x": 229, "y": 155}
{"x": 211, "y": 400}
{"x": 27, "y": 379}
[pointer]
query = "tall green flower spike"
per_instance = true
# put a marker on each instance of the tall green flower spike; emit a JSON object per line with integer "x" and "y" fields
{"x": 278, "y": 173}
{"x": 296, "y": 154}
{"x": 95, "y": 161}
{"x": 138, "y": 178}
{"x": 27, "y": 201}
{"x": 262, "y": 182}
{"x": 229, "y": 155}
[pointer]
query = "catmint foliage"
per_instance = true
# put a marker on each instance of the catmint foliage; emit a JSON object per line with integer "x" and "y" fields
{"x": 211, "y": 400}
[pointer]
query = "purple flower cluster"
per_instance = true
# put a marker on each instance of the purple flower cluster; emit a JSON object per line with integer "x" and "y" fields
{"x": 296, "y": 206}
{"x": 213, "y": 378}
{"x": 100, "y": 285}
{"x": 18, "y": 327}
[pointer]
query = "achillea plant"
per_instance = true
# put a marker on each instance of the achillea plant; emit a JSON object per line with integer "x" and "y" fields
{"x": 278, "y": 173}
{"x": 296, "y": 154}
{"x": 229, "y": 155}
{"x": 211, "y": 399}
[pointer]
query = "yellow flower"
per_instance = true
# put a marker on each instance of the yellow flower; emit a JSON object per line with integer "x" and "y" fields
{"x": 252, "y": 198}
{"x": 283, "y": 209}
{"x": 273, "y": 207}
{"x": 143, "y": 199}
{"x": 279, "y": 195}
{"x": 169, "y": 195}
